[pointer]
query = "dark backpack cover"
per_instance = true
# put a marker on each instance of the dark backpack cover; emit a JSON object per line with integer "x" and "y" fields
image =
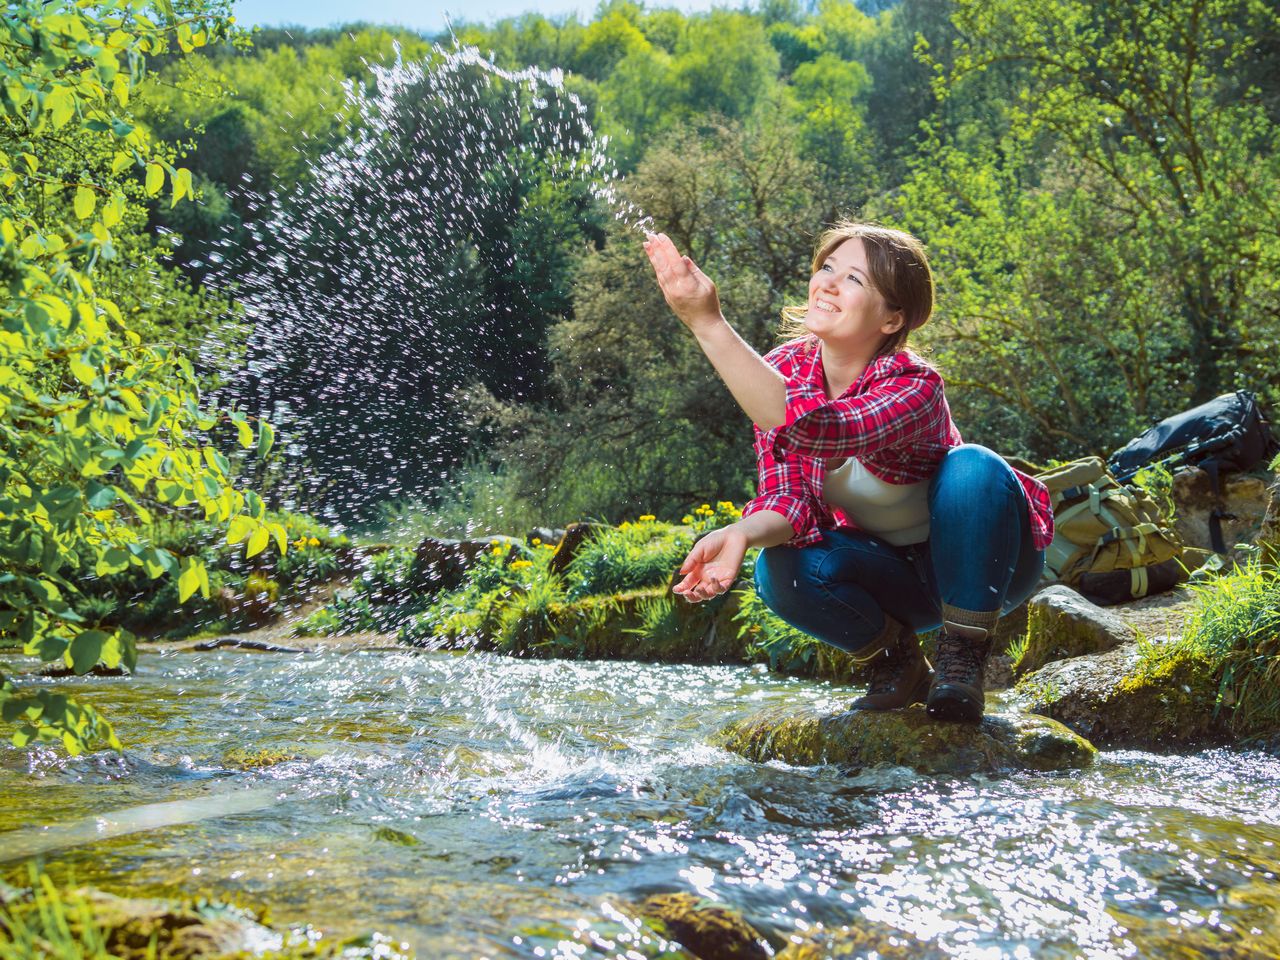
{"x": 1228, "y": 433}
{"x": 1229, "y": 430}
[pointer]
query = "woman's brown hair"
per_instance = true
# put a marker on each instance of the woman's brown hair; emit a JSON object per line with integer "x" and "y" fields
{"x": 900, "y": 273}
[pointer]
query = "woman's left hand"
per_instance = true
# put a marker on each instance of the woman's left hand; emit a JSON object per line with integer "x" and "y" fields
{"x": 713, "y": 564}
{"x": 688, "y": 291}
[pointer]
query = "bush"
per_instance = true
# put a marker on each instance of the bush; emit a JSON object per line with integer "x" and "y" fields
{"x": 631, "y": 555}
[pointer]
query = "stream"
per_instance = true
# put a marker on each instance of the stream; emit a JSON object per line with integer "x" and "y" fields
{"x": 470, "y": 803}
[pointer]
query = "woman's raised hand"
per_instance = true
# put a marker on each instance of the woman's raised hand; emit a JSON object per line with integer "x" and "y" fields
{"x": 712, "y": 564}
{"x": 689, "y": 292}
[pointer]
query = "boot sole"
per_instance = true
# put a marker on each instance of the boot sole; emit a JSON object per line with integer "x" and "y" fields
{"x": 950, "y": 703}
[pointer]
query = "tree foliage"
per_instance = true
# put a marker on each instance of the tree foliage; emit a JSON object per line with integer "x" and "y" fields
{"x": 97, "y": 426}
{"x": 1110, "y": 257}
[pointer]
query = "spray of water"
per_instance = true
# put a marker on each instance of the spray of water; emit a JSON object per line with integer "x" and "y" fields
{"x": 429, "y": 252}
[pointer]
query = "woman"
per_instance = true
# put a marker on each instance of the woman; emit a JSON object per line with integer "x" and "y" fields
{"x": 876, "y": 521}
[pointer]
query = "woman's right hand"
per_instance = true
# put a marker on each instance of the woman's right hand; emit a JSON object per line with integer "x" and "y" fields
{"x": 713, "y": 564}
{"x": 689, "y": 292}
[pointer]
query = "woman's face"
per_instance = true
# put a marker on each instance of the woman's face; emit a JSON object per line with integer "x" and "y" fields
{"x": 845, "y": 310}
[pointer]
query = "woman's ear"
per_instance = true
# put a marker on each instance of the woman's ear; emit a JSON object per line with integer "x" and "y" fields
{"x": 895, "y": 323}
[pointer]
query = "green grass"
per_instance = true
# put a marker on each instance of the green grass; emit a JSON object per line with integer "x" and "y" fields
{"x": 1232, "y": 635}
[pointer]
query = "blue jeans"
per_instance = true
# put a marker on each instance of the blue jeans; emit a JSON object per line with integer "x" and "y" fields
{"x": 979, "y": 557}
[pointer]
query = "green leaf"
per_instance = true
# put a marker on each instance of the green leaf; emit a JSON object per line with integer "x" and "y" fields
{"x": 258, "y": 542}
{"x": 266, "y": 437}
{"x": 188, "y": 582}
{"x": 244, "y": 433}
{"x": 85, "y": 201}
{"x": 155, "y": 179}
{"x": 239, "y": 529}
{"x": 86, "y": 650}
{"x": 181, "y": 186}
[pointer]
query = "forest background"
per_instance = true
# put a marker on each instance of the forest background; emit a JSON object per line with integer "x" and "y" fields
{"x": 1097, "y": 184}
{"x": 413, "y": 265}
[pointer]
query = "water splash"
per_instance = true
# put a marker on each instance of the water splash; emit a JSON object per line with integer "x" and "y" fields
{"x": 428, "y": 253}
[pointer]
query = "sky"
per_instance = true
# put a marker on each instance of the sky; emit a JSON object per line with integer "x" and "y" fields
{"x": 427, "y": 16}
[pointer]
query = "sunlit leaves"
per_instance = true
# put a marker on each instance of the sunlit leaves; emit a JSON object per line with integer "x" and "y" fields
{"x": 99, "y": 427}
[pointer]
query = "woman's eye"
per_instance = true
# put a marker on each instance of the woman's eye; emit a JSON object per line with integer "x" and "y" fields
{"x": 855, "y": 279}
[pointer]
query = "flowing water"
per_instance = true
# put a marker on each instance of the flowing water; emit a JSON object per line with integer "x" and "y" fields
{"x": 479, "y": 806}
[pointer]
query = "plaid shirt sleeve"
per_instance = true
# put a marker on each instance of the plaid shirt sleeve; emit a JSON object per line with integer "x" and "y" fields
{"x": 904, "y": 407}
{"x": 780, "y": 482}
{"x": 781, "y": 487}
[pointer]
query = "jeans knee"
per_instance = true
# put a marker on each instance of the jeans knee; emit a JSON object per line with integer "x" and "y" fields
{"x": 779, "y": 575}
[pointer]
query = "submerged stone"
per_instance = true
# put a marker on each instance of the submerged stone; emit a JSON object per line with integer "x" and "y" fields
{"x": 908, "y": 738}
{"x": 863, "y": 940}
{"x": 706, "y": 928}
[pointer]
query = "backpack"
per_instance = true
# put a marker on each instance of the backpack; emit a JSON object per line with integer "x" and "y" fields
{"x": 1227, "y": 433}
{"x": 1109, "y": 539}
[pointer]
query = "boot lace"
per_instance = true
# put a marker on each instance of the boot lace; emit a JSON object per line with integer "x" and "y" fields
{"x": 960, "y": 659}
{"x": 885, "y": 671}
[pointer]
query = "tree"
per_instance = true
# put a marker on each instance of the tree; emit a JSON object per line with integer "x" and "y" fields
{"x": 1142, "y": 100}
{"x": 96, "y": 426}
{"x": 1108, "y": 258}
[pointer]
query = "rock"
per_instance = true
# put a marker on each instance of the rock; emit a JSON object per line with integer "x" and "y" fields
{"x": 543, "y": 535}
{"x": 707, "y": 929}
{"x": 1011, "y": 628}
{"x": 908, "y": 738}
{"x": 575, "y": 535}
{"x": 239, "y": 643}
{"x": 1109, "y": 700}
{"x": 998, "y": 674}
{"x": 59, "y": 671}
{"x": 644, "y": 624}
{"x": 1061, "y": 624}
{"x": 1244, "y": 497}
{"x": 865, "y": 938}
{"x": 137, "y": 927}
{"x": 443, "y": 564}
{"x": 1268, "y": 539}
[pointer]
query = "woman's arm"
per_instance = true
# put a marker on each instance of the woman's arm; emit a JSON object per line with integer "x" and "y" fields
{"x": 758, "y": 388}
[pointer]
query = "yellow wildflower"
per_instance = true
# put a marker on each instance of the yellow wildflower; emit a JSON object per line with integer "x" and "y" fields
{"x": 521, "y": 564}
{"x": 647, "y": 518}
{"x": 313, "y": 542}
{"x": 537, "y": 541}
{"x": 686, "y": 519}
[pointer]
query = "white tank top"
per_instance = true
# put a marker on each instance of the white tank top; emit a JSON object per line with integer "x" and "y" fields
{"x": 898, "y": 512}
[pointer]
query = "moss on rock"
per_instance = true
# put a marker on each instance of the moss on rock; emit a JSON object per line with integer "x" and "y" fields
{"x": 706, "y": 928}
{"x": 909, "y": 738}
{"x": 1117, "y": 703}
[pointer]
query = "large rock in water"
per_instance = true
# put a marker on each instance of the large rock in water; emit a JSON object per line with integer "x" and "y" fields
{"x": 908, "y": 738}
{"x": 1061, "y": 624}
{"x": 1113, "y": 701}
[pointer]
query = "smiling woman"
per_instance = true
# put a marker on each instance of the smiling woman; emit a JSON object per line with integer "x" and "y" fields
{"x": 876, "y": 521}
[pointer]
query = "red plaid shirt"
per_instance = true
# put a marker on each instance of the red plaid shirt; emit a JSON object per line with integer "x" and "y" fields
{"x": 894, "y": 419}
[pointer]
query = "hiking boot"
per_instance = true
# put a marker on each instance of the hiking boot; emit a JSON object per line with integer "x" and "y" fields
{"x": 900, "y": 675}
{"x": 957, "y": 692}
